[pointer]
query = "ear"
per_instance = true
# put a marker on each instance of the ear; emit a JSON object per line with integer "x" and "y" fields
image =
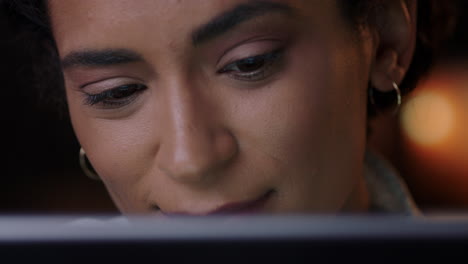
{"x": 394, "y": 43}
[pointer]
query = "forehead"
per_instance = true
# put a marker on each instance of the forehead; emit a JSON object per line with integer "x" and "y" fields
{"x": 77, "y": 23}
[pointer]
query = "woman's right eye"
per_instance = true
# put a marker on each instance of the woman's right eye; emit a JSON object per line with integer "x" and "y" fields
{"x": 115, "y": 97}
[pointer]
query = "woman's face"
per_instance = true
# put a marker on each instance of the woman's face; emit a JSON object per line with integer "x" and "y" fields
{"x": 232, "y": 106}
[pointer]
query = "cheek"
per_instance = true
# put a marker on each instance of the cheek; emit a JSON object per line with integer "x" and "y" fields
{"x": 312, "y": 122}
{"x": 305, "y": 107}
{"x": 120, "y": 151}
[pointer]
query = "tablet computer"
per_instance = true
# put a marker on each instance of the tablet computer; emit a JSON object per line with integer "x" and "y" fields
{"x": 232, "y": 239}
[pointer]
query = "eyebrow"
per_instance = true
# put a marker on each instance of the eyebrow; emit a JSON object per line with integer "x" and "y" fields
{"x": 100, "y": 58}
{"x": 216, "y": 27}
{"x": 237, "y": 15}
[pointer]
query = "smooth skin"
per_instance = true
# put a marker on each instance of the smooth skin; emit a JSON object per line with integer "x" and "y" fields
{"x": 180, "y": 117}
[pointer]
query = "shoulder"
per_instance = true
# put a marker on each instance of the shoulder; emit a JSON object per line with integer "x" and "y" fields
{"x": 388, "y": 192}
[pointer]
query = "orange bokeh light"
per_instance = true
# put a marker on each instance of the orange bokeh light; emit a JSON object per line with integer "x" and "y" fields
{"x": 434, "y": 125}
{"x": 428, "y": 118}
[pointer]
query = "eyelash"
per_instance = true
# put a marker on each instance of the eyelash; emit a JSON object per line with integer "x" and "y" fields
{"x": 263, "y": 66}
{"x": 111, "y": 98}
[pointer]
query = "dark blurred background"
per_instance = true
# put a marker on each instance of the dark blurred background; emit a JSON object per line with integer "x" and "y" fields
{"x": 40, "y": 171}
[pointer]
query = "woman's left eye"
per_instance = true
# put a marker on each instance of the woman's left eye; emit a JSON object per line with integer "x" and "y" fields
{"x": 254, "y": 68}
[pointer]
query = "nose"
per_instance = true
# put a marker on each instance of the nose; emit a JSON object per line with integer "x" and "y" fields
{"x": 196, "y": 145}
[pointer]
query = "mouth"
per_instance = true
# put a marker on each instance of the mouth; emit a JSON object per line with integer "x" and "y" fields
{"x": 235, "y": 208}
{"x": 246, "y": 207}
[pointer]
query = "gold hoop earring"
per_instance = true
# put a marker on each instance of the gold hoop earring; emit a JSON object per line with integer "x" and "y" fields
{"x": 397, "y": 95}
{"x": 86, "y": 166}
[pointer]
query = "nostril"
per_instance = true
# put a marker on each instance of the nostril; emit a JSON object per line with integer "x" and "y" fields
{"x": 188, "y": 169}
{"x": 226, "y": 146}
{"x": 193, "y": 158}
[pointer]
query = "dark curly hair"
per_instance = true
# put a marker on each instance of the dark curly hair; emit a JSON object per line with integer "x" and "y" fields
{"x": 436, "y": 19}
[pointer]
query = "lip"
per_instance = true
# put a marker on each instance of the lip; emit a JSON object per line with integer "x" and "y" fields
{"x": 247, "y": 207}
